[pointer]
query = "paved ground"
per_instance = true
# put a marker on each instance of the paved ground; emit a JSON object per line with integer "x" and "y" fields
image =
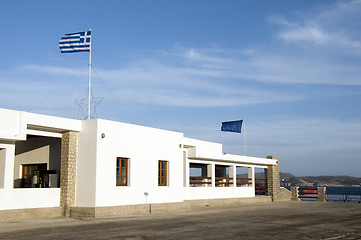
{"x": 283, "y": 220}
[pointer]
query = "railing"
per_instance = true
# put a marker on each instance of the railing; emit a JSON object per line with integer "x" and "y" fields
{"x": 261, "y": 186}
{"x": 223, "y": 181}
{"x": 260, "y": 183}
{"x": 244, "y": 182}
{"x": 199, "y": 181}
{"x": 310, "y": 193}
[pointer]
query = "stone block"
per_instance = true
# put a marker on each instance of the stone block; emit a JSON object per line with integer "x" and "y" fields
{"x": 321, "y": 192}
{"x": 294, "y": 194}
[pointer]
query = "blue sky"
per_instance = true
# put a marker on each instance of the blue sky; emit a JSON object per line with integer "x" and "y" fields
{"x": 291, "y": 68}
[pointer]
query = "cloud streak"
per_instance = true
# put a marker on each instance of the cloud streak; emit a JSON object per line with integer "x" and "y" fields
{"x": 333, "y": 26}
{"x": 191, "y": 83}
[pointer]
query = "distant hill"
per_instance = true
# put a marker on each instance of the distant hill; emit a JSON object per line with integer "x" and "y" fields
{"x": 287, "y": 179}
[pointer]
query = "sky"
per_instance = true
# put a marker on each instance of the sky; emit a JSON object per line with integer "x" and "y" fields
{"x": 290, "y": 68}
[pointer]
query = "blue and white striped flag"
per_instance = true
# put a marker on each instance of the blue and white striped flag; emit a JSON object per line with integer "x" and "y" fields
{"x": 75, "y": 42}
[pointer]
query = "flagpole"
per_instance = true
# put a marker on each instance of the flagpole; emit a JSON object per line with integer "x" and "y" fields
{"x": 244, "y": 134}
{"x": 89, "y": 86}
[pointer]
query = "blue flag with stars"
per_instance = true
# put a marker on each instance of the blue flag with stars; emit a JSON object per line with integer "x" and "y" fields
{"x": 232, "y": 126}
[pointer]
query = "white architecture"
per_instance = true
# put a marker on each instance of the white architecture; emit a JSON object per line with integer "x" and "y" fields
{"x": 110, "y": 165}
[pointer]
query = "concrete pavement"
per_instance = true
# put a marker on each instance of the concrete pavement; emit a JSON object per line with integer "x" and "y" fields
{"x": 274, "y": 220}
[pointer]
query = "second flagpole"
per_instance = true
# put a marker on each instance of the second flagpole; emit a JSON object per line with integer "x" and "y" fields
{"x": 244, "y": 134}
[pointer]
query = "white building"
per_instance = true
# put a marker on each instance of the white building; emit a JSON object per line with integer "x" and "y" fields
{"x": 57, "y": 166}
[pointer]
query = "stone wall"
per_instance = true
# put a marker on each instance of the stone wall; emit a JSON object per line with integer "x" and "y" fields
{"x": 69, "y": 150}
{"x": 321, "y": 194}
{"x": 29, "y": 214}
{"x": 284, "y": 194}
{"x": 162, "y": 207}
{"x": 273, "y": 183}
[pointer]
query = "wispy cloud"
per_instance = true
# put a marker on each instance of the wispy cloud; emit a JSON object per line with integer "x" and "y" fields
{"x": 308, "y": 33}
{"x": 176, "y": 79}
{"x": 51, "y": 70}
{"x": 333, "y": 26}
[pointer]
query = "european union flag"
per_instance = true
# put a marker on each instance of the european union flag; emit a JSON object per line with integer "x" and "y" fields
{"x": 232, "y": 126}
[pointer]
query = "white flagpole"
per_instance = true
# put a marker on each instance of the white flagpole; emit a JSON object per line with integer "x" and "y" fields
{"x": 244, "y": 134}
{"x": 89, "y": 86}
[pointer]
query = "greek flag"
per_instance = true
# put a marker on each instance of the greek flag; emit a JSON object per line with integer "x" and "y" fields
{"x": 75, "y": 42}
{"x": 233, "y": 126}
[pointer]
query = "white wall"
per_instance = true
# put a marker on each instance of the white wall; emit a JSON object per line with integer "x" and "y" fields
{"x": 35, "y": 121}
{"x": 29, "y": 198}
{"x": 203, "y": 147}
{"x": 86, "y": 164}
{"x": 12, "y": 126}
{"x": 8, "y": 155}
{"x": 144, "y": 147}
{"x": 194, "y": 193}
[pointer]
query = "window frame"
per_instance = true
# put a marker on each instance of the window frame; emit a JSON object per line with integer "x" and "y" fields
{"x": 118, "y": 178}
{"x": 165, "y": 170}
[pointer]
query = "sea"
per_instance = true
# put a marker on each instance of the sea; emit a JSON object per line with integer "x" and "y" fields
{"x": 343, "y": 194}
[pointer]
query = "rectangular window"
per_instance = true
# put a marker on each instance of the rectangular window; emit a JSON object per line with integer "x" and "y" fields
{"x": 122, "y": 171}
{"x": 162, "y": 173}
{"x": 33, "y": 175}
